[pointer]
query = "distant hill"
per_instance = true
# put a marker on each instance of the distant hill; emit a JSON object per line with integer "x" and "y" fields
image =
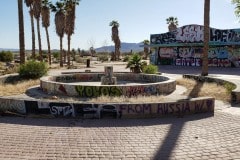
{"x": 9, "y": 49}
{"x": 125, "y": 47}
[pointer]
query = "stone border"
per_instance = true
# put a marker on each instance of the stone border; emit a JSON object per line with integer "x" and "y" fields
{"x": 114, "y": 110}
{"x": 152, "y": 84}
{"x": 235, "y": 94}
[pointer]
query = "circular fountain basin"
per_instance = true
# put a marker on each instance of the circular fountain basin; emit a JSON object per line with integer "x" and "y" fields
{"x": 89, "y": 85}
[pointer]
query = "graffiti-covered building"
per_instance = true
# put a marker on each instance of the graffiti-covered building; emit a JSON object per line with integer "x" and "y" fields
{"x": 184, "y": 47}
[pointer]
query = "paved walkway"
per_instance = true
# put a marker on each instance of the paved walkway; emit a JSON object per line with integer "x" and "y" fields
{"x": 194, "y": 137}
{"x": 200, "y": 136}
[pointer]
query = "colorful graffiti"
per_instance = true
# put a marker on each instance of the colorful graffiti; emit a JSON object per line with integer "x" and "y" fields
{"x": 191, "y": 56}
{"x": 223, "y": 51}
{"x": 194, "y": 34}
{"x": 217, "y": 35}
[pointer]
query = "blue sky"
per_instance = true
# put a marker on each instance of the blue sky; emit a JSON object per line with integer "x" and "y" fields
{"x": 138, "y": 19}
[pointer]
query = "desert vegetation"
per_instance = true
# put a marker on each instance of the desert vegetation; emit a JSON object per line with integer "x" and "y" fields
{"x": 200, "y": 89}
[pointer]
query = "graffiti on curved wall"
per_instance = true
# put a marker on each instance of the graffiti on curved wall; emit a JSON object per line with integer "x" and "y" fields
{"x": 157, "y": 85}
{"x": 114, "y": 110}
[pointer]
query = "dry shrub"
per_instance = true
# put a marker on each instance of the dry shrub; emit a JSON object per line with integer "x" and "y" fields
{"x": 199, "y": 89}
{"x": 17, "y": 88}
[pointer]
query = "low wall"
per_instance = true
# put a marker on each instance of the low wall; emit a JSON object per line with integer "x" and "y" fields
{"x": 9, "y": 78}
{"x": 114, "y": 110}
{"x": 150, "y": 84}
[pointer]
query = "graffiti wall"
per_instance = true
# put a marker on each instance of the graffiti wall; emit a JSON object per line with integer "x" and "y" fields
{"x": 191, "y": 56}
{"x": 93, "y": 110}
{"x": 17, "y": 106}
{"x": 194, "y": 34}
{"x": 186, "y": 46}
{"x": 151, "y": 85}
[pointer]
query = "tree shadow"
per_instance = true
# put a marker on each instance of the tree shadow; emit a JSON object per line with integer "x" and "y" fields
{"x": 196, "y": 90}
{"x": 169, "y": 143}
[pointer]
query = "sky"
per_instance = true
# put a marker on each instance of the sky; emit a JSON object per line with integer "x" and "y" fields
{"x": 137, "y": 18}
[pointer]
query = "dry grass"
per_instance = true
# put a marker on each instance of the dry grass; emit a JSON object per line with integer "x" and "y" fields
{"x": 18, "y": 88}
{"x": 194, "y": 89}
{"x": 198, "y": 89}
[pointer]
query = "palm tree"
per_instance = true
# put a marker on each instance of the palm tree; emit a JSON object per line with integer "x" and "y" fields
{"x": 135, "y": 63}
{"x": 237, "y": 8}
{"x": 29, "y": 3}
{"x": 21, "y": 32}
{"x": 37, "y": 7}
{"x": 58, "y": 8}
{"x": 172, "y": 23}
{"x": 146, "y": 48}
{"x": 70, "y": 6}
{"x": 115, "y": 39}
{"x": 46, "y": 23}
{"x": 206, "y": 38}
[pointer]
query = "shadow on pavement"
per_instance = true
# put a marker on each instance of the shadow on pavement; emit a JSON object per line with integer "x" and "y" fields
{"x": 88, "y": 123}
{"x": 170, "y": 141}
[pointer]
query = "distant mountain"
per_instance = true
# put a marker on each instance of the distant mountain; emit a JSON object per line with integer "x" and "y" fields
{"x": 9, "y": 49}
{"x": 125, "y": 47}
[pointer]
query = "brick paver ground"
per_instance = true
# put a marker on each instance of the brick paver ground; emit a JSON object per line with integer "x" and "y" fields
{"x": 192, "y": 137}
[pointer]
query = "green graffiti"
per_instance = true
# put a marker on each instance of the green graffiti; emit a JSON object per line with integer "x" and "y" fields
{"x": 96, "y": 91}
{"x": 80, "y": 89}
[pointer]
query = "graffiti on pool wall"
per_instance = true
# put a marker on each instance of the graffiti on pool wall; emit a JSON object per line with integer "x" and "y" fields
{"x": 12, "y": 105}
{"x": 121, "y": 110}
{"x": 163, "y": 109}
{"x": 68, "y": 78}
{"x": 96, "y": 91}
{"x": 134, "y": 91}
{"x": 64, "y": 109}
{"x": 93, "y": 110}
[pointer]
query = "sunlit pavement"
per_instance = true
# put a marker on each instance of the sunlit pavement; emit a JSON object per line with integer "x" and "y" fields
{"x": 199, "y": 136}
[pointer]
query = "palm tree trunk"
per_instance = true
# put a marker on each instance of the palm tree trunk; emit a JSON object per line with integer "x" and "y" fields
{"x": 21, "y": 32}
{"x": 49, "y": 48}
{"x": 61, "y": 52}
{"x": 68, "y": 52}
{"x": 39, "y": 40}
{"x": 115, "y": 53}
{"x": 206, "y": 38}
{"x": 33, "y": 33}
